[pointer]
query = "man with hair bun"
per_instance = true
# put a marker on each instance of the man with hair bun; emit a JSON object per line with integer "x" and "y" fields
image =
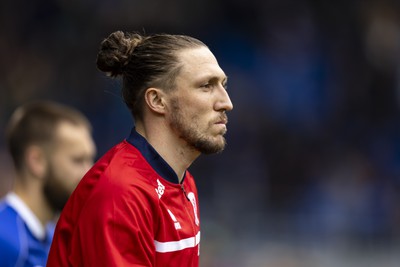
{"x": 51, "y": 147}
{"x": 138, "y": 205}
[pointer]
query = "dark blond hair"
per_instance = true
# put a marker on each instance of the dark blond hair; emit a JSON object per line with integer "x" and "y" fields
{"x": 143, "y": 62}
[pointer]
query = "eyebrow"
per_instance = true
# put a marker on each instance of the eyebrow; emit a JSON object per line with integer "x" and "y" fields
{"x": 214, "y": 78}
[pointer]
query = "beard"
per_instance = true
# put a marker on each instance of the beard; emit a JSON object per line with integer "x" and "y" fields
{"x": 54, "y": 191}
{"x": 188, "y": 130}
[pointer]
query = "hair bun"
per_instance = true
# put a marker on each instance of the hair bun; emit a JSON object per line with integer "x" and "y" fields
{"x": 115, "y": 52}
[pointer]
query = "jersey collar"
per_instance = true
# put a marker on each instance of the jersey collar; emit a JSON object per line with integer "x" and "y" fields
{"x": 152, "y": 157}
{"x": 32, "y": 222}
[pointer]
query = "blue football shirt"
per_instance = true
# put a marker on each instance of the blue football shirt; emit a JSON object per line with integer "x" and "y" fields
{"x": 24, "y": 242}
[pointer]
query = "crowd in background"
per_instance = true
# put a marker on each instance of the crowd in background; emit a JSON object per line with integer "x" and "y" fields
{"x": 313, "y": 153}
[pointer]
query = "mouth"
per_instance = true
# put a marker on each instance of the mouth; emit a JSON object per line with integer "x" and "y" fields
{"x": 222, "y": 120}
{"x": 221, "y": 124}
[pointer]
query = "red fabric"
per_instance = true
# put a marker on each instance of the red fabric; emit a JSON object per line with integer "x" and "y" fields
{"x": 115, "y": 217}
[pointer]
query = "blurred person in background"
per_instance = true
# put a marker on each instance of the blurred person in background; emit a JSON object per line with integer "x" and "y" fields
{"x": 52, "y": 148}
{"x": 138, "y": 205}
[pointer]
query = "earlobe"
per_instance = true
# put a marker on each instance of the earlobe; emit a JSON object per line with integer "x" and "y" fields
{"x": 36, "y": 160}
{"x": 154, "y": 98}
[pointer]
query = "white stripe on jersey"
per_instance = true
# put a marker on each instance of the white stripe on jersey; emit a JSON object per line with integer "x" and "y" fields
{"x": 172, "y": 246}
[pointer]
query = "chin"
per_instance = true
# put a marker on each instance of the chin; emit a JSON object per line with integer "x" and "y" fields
{"x": 212, "y": 147}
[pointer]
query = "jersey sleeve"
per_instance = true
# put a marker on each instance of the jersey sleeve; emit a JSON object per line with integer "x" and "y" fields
{"x": 115, "y": 228}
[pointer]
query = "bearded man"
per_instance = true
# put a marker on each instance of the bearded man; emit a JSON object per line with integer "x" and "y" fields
{"x": 138, "y": 205}
{"x": 52, "y": 148}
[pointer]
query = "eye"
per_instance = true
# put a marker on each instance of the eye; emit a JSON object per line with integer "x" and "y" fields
{"x": 78, "y": 160}
{"x": 207, "y": 85}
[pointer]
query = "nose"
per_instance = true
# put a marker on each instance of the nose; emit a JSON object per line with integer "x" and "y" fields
{"x": 224, "y": 102}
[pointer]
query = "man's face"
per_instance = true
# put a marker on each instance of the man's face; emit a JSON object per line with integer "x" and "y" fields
{"x": 69, "y": 159}
{"x": 199, "y": 103}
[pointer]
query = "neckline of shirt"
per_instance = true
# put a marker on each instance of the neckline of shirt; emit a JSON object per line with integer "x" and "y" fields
{"x": 153, "y": 158}
{"x": 30, "y": 219}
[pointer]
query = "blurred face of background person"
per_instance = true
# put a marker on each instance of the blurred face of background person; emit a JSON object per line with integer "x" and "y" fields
{"x": 69, "y": 157}
{"x": 52, "y": 149}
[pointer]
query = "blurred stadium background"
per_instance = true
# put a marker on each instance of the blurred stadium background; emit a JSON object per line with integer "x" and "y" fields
{"x": 311, "y": 174}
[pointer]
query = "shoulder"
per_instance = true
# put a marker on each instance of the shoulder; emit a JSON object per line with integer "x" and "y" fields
{"x": 119, "y": 195}
{"x": 122, "y": 174}
{"x": 8, "y": 219}
{"x": 10, "y": 227}
{"x": 124, "y": 166}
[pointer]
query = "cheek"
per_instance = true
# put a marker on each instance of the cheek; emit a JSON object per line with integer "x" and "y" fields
{"x": 197, "y": 104}
{"x": 195, "y": 112}
{"x": 69, "y": 173}
{"x": 198, "y": 113}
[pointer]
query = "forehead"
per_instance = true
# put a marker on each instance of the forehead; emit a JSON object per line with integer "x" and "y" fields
{"x": 200, "y": 63}
{"x": 73, "y": 136}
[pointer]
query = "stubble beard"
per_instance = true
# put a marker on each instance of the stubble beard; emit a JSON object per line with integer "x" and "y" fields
{"x": 56, "y": 194}
{"x": 189, "y": 132}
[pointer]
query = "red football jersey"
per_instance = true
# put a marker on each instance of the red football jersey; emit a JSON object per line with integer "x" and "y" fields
{"x": 129, "y": 210}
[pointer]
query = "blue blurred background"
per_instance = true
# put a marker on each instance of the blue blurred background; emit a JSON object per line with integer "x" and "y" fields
{"x": 311, "y": 173}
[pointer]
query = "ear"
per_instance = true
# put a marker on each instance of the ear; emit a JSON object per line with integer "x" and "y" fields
{"x": 155, "y": 100}
{"x": 36, "y": 161}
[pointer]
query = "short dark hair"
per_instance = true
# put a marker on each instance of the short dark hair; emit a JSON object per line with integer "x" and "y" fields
{"x": 143, "y": 62}
{"x": 35, "y": 123}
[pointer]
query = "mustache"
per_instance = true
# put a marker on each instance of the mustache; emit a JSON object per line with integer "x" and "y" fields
{"x": 223, "y": 118}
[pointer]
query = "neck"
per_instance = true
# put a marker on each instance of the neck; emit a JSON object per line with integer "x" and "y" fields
{"x": 172, "y": 149}
{"x": 31, "y": 194}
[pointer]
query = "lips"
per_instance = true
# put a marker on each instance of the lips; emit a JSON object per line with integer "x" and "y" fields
{"x": 222, "y": 120}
